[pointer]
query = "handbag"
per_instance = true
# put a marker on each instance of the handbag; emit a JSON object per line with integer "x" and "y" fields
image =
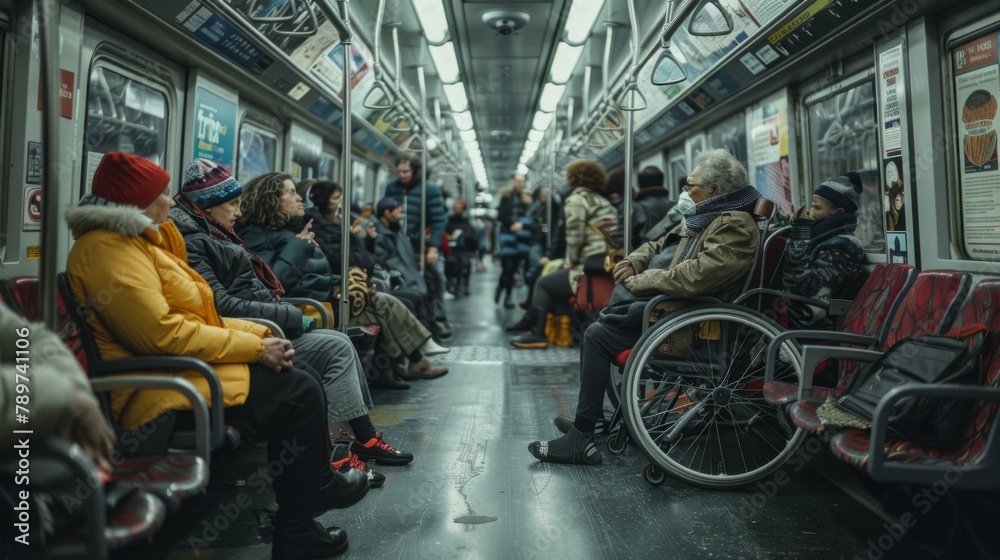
{"x": 953, "y": 358}
{"x": 614, "y": 254}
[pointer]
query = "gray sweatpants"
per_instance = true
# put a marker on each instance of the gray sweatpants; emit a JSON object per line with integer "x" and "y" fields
{"x": 332, "y": 355}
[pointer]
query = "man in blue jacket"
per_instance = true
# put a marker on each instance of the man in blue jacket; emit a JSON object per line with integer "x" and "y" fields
{"x": 406, "y": 189}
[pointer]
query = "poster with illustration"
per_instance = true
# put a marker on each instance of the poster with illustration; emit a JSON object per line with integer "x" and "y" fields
{"x": 895, "y": 214}
{"x": 768, "y": 136}
{"x": 977, "y": 84}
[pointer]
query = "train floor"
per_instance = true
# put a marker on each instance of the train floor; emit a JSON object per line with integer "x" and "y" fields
{"x": 474, "y": 491}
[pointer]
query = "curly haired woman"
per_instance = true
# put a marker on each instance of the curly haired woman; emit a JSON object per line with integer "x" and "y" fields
{"x": 587, "y": 212}
{"x": 272, "y": 213}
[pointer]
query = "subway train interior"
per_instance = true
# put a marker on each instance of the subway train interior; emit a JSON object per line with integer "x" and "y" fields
{"x": 708, "y": 279}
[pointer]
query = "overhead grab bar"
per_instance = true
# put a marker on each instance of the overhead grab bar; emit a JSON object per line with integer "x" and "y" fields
{"x": 269, "y": 19}
{"x": 308, "y": 33}
{"x": 704, "y": 20}
{"x": 667, "y": 64}
{"x": 379, "y": 98}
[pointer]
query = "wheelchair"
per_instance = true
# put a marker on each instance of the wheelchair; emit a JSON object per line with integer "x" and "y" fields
{"x": 690, "y": 393}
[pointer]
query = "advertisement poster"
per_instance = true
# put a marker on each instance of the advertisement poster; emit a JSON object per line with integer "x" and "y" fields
{"x": 330, "y": 68}
{"x": 893, "y": 94}
{"x": 897, "y": 247}
{"x": 214, "y": 128}
{"x": 768, "y": 139}
{"x": 31, "y": 219}
{"x": 977, "y": 85}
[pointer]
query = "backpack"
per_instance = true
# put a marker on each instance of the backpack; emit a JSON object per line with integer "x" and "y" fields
{"x": 953, "y": 358}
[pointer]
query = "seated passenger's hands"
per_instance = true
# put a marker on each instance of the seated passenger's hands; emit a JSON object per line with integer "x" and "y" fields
{"x": 307, "y": 235}
{"x": 543, "y": 261}
{"x": 90, "y": 431}
{"x": 277, "y": 354}
{"x": 622, "y": 272}
{"x": 516, "y": 227}
{"x": 356, "y": 227}
{"x": 372, "y": 232}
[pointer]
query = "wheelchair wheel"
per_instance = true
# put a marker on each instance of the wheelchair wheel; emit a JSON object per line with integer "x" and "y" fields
{"x": 693, "y": 397}
{"x": 653, "y": 475}
{"x": 617, "y": 440}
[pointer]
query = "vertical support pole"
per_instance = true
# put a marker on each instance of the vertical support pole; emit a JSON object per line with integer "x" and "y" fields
{"x": 548, "y": 203}
{"x": 345, "y": 174}
{"x": 423, "y": 168}
{"x": 629, "y": 172}
{"x": 49, "y": 14}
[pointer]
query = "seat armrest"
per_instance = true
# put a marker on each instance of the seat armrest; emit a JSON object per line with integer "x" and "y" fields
{"x": 80, "y": 468}
{"x": 813, "y": 354}
{"x": 275, "y": 329}
{"x": 147, "y": 363}
{"x": 813, "y": 335}
{"x": 651, "y": 305}
{"x": 982, "y": 474}
{"x": 178, "y": 384}
{"x": 778, "y": 293}
{"x": 316, "y": 304}
{"x": 840, "y": 307}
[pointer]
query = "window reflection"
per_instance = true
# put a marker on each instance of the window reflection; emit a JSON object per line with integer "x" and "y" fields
{"x": 258, "y": 148}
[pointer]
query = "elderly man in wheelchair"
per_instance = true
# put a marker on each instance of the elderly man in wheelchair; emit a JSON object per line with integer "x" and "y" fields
{"x": 709, "y": 254}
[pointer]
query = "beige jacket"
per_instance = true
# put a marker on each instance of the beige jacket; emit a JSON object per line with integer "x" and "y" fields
{"x": 719, "y": 259}
{"x": 585, "y": 208}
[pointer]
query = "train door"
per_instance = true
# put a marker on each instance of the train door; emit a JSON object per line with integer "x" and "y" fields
{"x": 841, "y": 125}
{"x": 261, "y": 142}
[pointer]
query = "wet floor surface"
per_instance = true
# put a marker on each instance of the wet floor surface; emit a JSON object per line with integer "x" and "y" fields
{"x": 475, "y": 492}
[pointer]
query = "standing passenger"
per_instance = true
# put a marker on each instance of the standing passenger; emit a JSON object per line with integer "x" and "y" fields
{"x": 513, "y": 237}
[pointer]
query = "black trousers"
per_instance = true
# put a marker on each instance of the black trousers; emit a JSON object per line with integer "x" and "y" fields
{"x": 601, "y": 343}
{"x": 551, "y": 293}
{"x": 288, "y": 409}
{"x": 509, "y": 266}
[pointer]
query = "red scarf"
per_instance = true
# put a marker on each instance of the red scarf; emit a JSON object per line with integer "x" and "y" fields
{"x": 217, "y": 231}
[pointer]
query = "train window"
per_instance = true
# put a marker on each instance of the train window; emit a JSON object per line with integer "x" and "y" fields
{"x": 359, "y": 179}
{"x": 258, "y": 149}
{"x": 678, "y": 170}
{"x": 843, "y": 134}
{"x": 124, "y": 114}
{"x": 974, "y": 68}
{"x": 381, "y": 180}
{"x": 730, "y": 134}
{"x": 328, "y": 167}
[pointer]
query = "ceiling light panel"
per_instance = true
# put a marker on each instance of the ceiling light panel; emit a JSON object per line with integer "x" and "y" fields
{"x": 564, "y": 62}
{"x": 541, "y": 120}
{"x": 582, "y": 16}
{"x": 463, "y": 120}
{"x": 432, "y": 19}
{"x": 445, "y": 62}
{"x": 456, "y": 96}
{"x": 536, "y": 135}
{"x": 551, "y": 96}
{"x": 468, "y": 135}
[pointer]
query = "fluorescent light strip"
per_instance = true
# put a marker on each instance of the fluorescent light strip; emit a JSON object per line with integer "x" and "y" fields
{"x": 456, "y": 96}
{"x": 445, "y": 62}
{"x": 432, "y": 19}
{"x": 468, "y": 135}
{"x": 582, "y": 16}
{"x": 551, "y": 96}
{"x": 564, "y": 62}
{"x": 463, "y": 120}
{"x": 541, "y": 121}
{"x": 536, "y": 135}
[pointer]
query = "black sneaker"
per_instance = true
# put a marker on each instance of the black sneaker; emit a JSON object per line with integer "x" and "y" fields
{"x": 564, "y": 424}
{"x": 305, "y": 538}
{"x": 376, "y": 449}
{"x": 375, "y": 479}
{"x": 530, "y": 340}
{"x": 341, "y": 488}
{"x": 574, "y": 448}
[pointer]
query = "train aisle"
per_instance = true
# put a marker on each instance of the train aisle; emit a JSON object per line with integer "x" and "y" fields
{"x": 473, "y": 490}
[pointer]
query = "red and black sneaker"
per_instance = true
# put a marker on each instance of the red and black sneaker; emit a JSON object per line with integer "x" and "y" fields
{"x": 376, "y": 449}
{"x": 375, "y": 479}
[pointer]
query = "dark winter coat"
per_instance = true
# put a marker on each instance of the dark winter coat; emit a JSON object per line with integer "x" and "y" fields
{"x": 329, "y": 235}
{"x": 437, "y": 216}
{"x": 469, "y": 240}
{"x": 649, "y": 206}
{"x": 393, "y": 251}
{"x": 301, "y": 267}
{"x": 820, "y": 259}
{"x": 227, "y": 268}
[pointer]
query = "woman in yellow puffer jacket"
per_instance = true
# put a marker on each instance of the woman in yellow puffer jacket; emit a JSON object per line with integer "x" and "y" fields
{"x": 128, "y": 269}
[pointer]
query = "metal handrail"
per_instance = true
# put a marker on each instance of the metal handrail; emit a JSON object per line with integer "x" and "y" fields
{"x": 48, "y": 31}
{"x": 345, "y": 167}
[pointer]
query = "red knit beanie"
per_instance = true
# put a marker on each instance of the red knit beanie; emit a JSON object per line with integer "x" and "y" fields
{"x": 128, "y": 179}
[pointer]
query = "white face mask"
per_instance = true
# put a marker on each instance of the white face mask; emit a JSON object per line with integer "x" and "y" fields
{"x": 686, "y": 204}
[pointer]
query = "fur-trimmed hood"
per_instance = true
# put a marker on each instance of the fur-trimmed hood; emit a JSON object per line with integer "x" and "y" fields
{"x": 509, "y": 191}
{"x": 126, "y": 220}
